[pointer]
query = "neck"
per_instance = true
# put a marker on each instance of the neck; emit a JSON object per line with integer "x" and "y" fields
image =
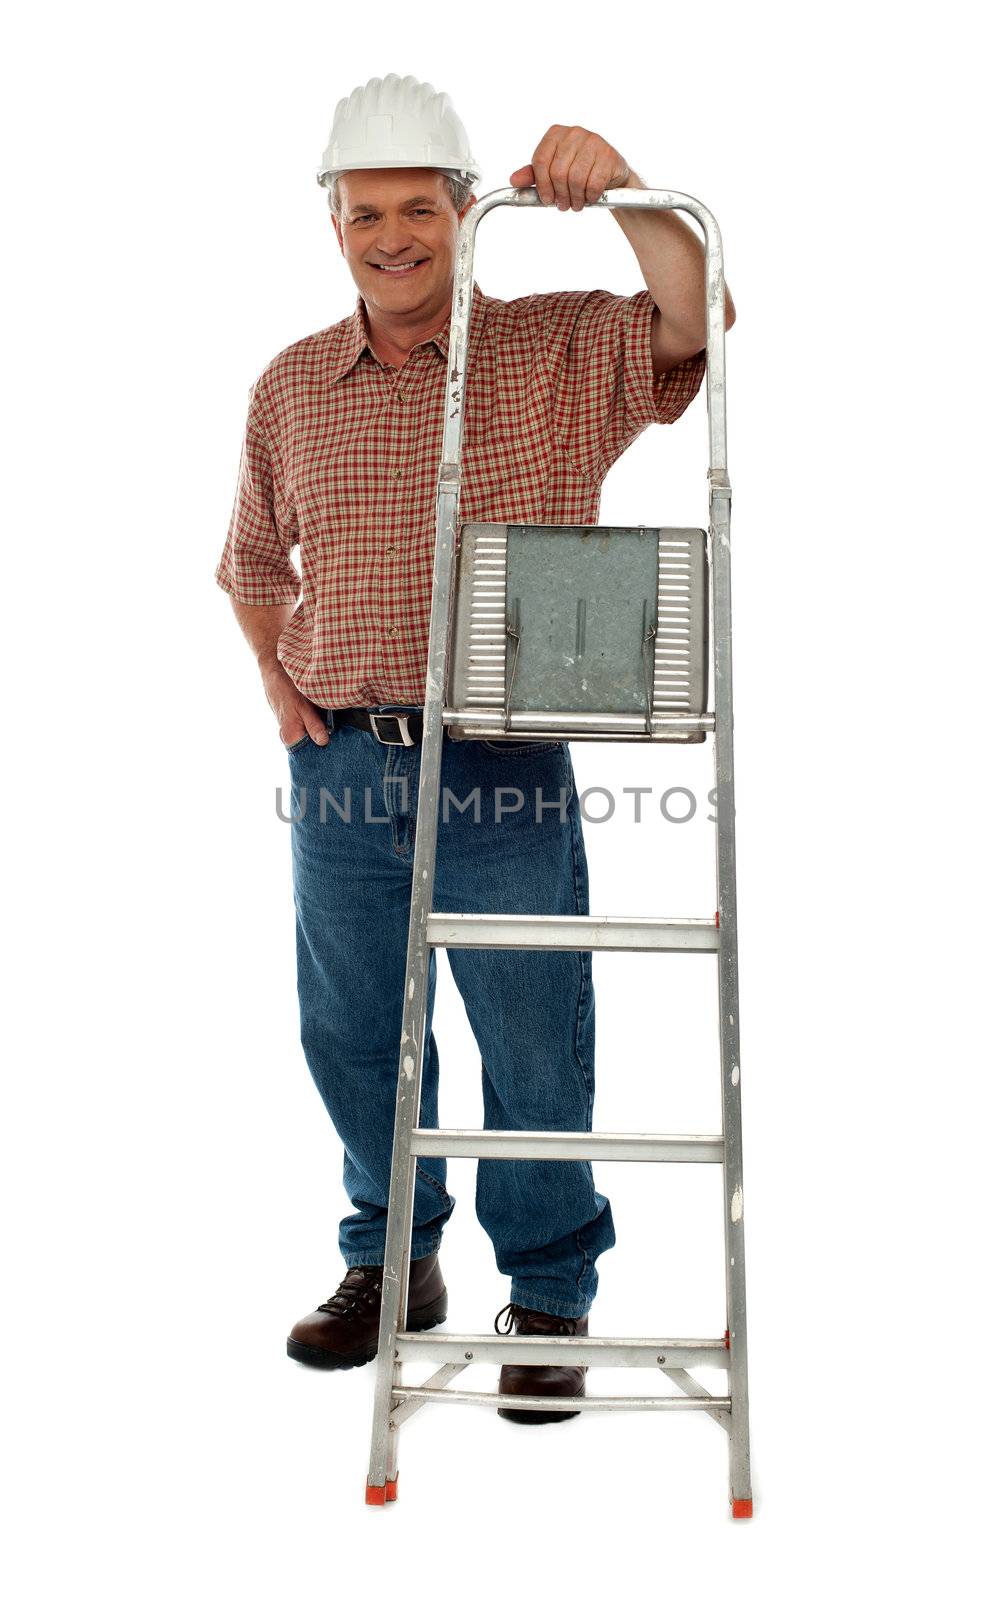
{"x": 394, "y": 337}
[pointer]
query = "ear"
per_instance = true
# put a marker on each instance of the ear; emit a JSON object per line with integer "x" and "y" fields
{"x": 337, "y": 228}
{"x": 471, "y": 202}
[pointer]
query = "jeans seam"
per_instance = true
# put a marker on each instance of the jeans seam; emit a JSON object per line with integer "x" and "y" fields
{"x": 552, "y": 1308}
{"x": 520, "y": 749}
{"x": 583, "y": 970}
{"x": 361, "y": 1258}
{"x": 433, "y": 1180}
{"x": 588, "y": 1261}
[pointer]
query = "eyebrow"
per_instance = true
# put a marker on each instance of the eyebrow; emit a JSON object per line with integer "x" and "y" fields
{"x": 416, "y": 199}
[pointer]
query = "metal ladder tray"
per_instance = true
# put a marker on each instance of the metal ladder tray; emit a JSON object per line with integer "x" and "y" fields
{"x": 591, "y": 632}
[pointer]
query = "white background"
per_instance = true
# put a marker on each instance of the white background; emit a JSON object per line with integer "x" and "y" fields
{"x": 171, "y": 1184}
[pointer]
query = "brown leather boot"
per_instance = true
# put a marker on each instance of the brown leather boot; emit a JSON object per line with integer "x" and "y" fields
{"x": 343, "y": 1332}
{"x": 552, "y": 1382}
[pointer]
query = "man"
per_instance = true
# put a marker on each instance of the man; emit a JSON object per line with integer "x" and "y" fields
{"x": 340, "y": 456}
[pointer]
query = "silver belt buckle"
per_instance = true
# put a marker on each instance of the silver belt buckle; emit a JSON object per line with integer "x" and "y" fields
{"x": 400, "y": 717}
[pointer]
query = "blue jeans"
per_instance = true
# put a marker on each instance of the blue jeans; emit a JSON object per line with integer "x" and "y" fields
{"x": 532, "y": 1012}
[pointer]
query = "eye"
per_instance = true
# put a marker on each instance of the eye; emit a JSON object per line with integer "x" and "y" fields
{"x": 423, "y": 211}
{"x": 366, "y": 217}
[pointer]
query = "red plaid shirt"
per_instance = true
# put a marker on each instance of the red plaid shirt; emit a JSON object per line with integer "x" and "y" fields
{"x": 341, "y": 455}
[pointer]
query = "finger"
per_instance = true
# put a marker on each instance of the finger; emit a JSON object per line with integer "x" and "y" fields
{"x": 564, "y": 157}
{"x": 597, "y": 183}
{"x": 523, "y": 177}
{"x": 315, "y": 725}
{"x": 585, "y": 163}
{"x": 291, "y": 730}
{"x": 542, "y": 157}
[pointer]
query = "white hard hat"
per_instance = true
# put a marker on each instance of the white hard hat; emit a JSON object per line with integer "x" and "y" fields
{"x": 397, "y": 122}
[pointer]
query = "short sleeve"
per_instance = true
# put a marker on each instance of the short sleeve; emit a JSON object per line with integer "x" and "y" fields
{"x": 605, "y": 390}
{"x": 255, "y": 568}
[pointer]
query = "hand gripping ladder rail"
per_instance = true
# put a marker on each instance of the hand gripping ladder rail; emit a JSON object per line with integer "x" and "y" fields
{"x": 656, "y": 692}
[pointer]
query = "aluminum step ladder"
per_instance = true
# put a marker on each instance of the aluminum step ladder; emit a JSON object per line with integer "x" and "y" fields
{"x": 493, "y": 713}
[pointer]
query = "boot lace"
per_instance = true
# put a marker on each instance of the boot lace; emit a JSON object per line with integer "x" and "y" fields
{"x": 525, "y": 1320}
{"x": 359, "y": 1290}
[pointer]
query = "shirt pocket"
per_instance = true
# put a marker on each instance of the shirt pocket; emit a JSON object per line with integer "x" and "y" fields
{"x": 505, "y": 468}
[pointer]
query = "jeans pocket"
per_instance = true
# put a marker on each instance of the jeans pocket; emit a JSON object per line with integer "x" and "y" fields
{"x": 536, "y": 746}
{"x": 291, "y": 749}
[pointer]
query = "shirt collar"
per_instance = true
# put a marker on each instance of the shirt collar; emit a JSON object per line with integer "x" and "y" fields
{"x": 352, "y": 336}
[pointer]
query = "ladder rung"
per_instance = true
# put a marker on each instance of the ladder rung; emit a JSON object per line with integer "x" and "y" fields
{"x": 466, "y": 930}
{"x": 526, "y": 1402}
{"x": 482, "y": 724}
{"x": 536, "y": 1351}
{"x": 533, "y": 1146}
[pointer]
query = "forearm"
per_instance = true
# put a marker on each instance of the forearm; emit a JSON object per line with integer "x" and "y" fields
{"x": 296, "y": 715}
{"x": 573, "y": 167}
{"x": 671, "y": 258}
{"x": 262, "y": 627}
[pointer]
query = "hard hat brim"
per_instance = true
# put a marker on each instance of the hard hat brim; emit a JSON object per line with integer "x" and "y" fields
{"x": 463, "y": 169}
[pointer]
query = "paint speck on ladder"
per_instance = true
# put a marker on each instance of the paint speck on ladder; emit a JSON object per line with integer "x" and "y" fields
{"x": 409, "y": 1073}
{"x": 736, "y": 1199}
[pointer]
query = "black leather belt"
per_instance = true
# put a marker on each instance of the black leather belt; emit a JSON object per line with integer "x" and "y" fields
{"x": 389, "y": 727}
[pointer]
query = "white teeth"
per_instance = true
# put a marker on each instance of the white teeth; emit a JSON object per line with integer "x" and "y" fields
{"x": 407, "y": 267}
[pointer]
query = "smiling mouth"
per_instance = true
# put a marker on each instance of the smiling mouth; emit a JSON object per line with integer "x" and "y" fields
{"x": 401, "y": 270}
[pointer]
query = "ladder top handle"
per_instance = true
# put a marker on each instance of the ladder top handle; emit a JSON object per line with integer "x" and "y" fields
{"x": 612, "y": 199}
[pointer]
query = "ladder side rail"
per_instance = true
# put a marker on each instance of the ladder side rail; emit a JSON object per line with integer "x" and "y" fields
{"x": 393, "y": 1307}
{"x": 727, "y": 974}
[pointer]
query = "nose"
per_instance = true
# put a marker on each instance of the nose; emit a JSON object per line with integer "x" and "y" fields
{"x": 394, "y": 238}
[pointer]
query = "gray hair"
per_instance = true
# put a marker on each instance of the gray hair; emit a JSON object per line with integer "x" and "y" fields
{"x": 460, "y": 190}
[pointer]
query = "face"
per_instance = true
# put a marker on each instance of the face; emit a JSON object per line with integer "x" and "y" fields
{"x": 398, "y": 232}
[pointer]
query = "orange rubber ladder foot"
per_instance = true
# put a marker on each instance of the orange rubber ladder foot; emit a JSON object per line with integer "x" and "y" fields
{"x": 739, "y": 1508}
{"x": 381, "y": 1494}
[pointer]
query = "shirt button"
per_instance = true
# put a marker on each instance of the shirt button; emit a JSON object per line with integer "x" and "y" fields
{"x": 391, "y": 550}
{"x": 395, "y": 472}
{"x": 391, "y": 633}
